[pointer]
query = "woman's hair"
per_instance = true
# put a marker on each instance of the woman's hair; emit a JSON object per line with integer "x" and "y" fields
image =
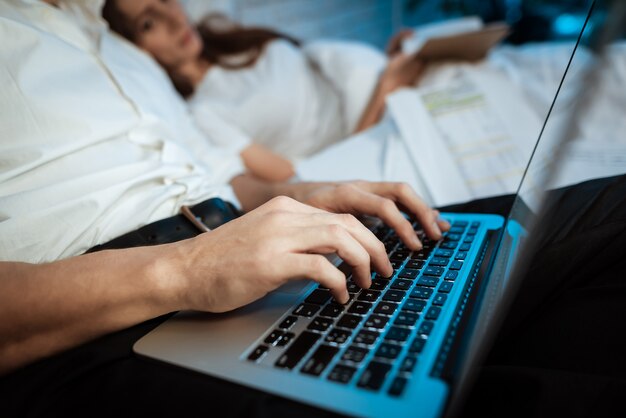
{"x": 224, "y": 42}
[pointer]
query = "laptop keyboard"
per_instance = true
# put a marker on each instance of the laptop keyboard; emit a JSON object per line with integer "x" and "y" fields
{"x": 375, "y": 340}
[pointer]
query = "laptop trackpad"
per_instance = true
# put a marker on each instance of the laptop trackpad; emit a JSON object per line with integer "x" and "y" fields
{"x": 293, "y": 287}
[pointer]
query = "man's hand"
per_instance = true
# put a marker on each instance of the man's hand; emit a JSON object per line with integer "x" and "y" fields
{"x": 383, "y": 200}
{"x": 248, "y": 257}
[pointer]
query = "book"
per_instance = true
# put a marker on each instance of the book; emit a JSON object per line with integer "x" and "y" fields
{"x": 466, "y": 38}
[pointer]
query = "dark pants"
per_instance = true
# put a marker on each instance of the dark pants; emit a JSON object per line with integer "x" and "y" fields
{"x": 561, "y": 351}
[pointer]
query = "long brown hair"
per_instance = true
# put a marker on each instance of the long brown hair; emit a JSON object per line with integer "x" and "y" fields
{"x": 225, "y": 43}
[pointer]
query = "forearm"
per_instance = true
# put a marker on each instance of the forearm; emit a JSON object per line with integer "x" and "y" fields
{"x": 265, "y": 164}
{"x": 253, "y": 192}
{"x": 374, "y": 110}
{"x": 56, "y": 306}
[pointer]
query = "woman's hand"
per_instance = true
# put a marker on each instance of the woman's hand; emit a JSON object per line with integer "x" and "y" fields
{"x": 243, "y": 260}
{"x": 402, "y": 71}
{"x": 395, "y": 43}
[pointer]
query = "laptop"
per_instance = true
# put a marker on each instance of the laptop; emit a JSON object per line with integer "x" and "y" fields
{"x": 409, "y": 345}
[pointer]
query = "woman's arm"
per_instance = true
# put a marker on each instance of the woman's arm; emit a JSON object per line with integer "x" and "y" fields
{"x": 265, "y": 164}
{"x": 402, "y": 71}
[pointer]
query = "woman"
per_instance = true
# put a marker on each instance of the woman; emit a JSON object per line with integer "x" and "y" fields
{"x": 261, "y": 81}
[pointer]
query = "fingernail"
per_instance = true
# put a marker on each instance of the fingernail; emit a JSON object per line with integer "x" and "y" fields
{"x": 437, "y": 230}
{"x": 416, "y": 243}
{"x": 346, "y": 298}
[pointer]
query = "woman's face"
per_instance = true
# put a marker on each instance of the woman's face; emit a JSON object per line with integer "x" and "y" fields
{"x": 162, "y": 29}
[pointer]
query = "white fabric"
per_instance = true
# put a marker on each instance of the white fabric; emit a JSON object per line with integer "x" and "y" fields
{"x": 295, "y": 101}
{"x": 87, "y": 152}
{"x": 379, "y": 154}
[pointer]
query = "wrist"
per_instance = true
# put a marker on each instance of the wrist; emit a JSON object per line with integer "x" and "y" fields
{"x": 166, "y": 272}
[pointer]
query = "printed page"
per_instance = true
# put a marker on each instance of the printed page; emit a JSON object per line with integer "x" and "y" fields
{"x": 478, "y": 140}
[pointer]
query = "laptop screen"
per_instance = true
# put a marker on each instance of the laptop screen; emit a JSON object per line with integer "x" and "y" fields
{"x": 581, "y": 139}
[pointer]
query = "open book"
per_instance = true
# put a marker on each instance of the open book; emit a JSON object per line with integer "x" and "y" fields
{"x": 465, "y": 38}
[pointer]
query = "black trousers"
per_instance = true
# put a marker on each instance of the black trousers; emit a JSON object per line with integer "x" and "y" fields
{"x": 561, "y": 351}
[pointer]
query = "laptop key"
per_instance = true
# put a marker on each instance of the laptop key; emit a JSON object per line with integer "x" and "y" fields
{"x": 433, "y": 313}
{"x": 426, "y": 328}
{"x": 338, "y": 336}
{"x": 349, "y": 321}
{"x": 288, "y": 322}
{"x": 318, "y": 297}
{"x": 452, "y": 236}
{"x": 394, "y": 295}
{"x": 341, "y": 374}
{"x": 461, "y": 255}
{"x": 360, "y": 308}
{"x": 414, "y": 305}
{"x": 332, "y": 310}
{"x": 320, "y": 324}
{"x": 366, "y": 337}
{"x": 446, "y": 287}
{"x": 376, "y": 321}
{"x": 451, "y": 275}
{"x": 390, "y": 351}
{"x": 285, "y": 339}
{"x": 449, "y": 245}
{"x": 406, "y": 319}
{"x": 397, "y": 386}
{"x": 401, "y": 284}
{"x": 258, "y": 353}
{"x": 428, "y": 281}
{"x": 352, "y": 287}
{"x": 440, "y": 299}
{"x": 420, "y": 255}
{"x": 433, "y": 271}
{"x": 316, "y": 364}
{"x": 415, "y": 264}
{"x": 399, "y": 255}
{"x": 439, "y": 261}
{"x": 408, "y": 363}
{"x": 397, "y": 334}
{"x": 273, "y": 337}
{"x": 379, "y": 284}
{"x": 298, "y": 349}
{"x": 417, "y": 345}
{"x": 369, "y": 295}
{"x": 355, "y": 354}
{"x": 306, "y": 309}
{"x": 374, "y": 375}
{"x": 421, "y": 293}
{"x": 444, "y": 253}
{"x": 408, "y": 273}
{"x": 386, "y": 308}
{"x": 457, "y": 230}
{"x": 456, "y": 265}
